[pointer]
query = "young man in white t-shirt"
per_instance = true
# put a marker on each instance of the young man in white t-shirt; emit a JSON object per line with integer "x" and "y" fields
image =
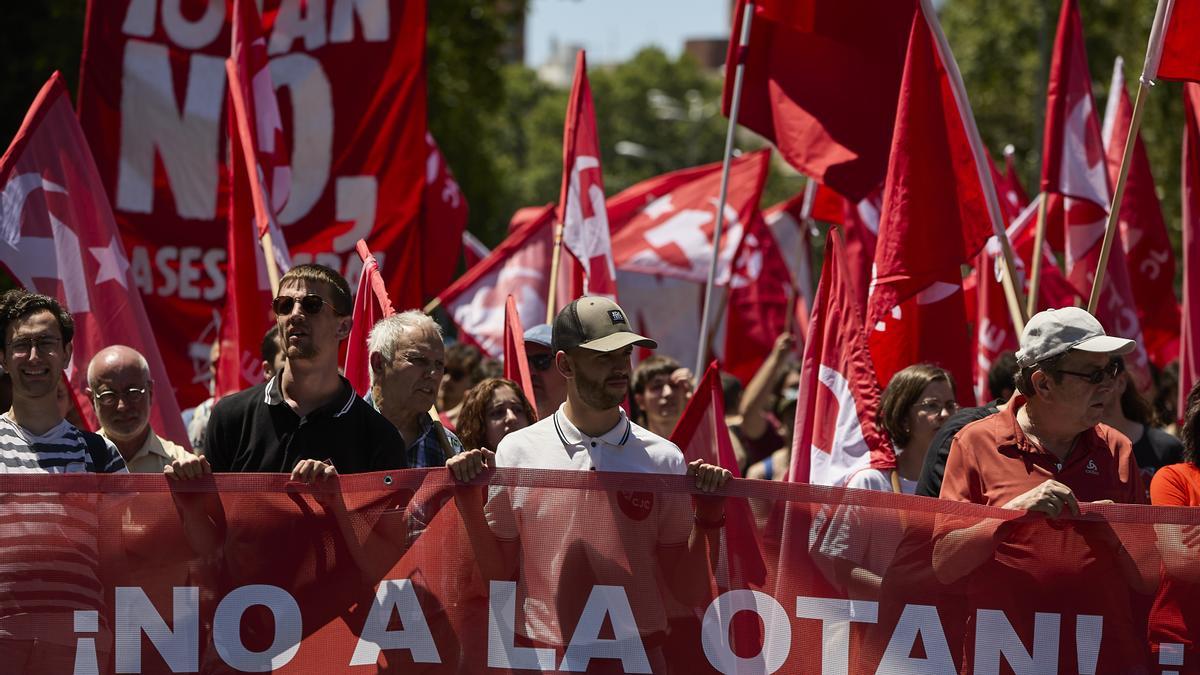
{"x": 612, "y": 538}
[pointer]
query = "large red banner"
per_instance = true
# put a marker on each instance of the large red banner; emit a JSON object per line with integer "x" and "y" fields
{"x": 350, "y": 79}
{"x": 393, "y": 572}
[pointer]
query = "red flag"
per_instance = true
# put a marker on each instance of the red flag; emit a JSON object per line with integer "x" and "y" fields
{"x": 581, "y": 208}
{"x": 58, "y": 237}
{"x": 1075, "y": 175}
{"x": 1189, "y": 334}
{"x": 835, "y": 431}
{"x": 516, "y": 363}
{"x": 1177, "y": 55}
{"x": 1148, "y": 255}
{"x": 672, "y": 236}
{"x": 760, "y": 295}
{"x": 1010, "y": 187}
{"x": 259, "y": 171}
{"x": 820, "y": 81}
{"x": 371, "y": 303}
{"x": 934, "y": 220}
{"x": 829, "y": 206}
{"x": 443, "y": 222}
{"x": 632, "y": 200}
{"x": 791, "y": 232}
{"x": 473, "y": 250}
{"x": 520, "y": 267}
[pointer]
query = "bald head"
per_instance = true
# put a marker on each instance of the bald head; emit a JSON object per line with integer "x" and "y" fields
{"x": 110, "y": 360}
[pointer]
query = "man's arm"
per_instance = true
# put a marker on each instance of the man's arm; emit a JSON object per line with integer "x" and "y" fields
{"x": 758, "y": 390}
{"x": 689, "y": 569}
{"x": 496, "y": 557}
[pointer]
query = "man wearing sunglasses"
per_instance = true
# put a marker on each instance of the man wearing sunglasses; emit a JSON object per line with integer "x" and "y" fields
{"x": 549, "y": 386}
{"x": 121, "y": 390}
{"x": 306, "y": 420}
{"x": 1047, "y": 453}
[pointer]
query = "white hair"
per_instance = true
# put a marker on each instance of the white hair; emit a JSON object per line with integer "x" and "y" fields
{"x": 387, "y": 333}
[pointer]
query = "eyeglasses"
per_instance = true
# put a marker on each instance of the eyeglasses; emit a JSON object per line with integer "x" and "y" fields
{"x": 1111, "y": 371}
{"x": 132, "y": 396}
{"x": 309, "y": 304}
{"x": 541, "y": 362}
{"x": 934, "y": 406}
{"x": 25, "y": 346}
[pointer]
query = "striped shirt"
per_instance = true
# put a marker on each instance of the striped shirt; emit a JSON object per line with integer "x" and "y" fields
{"x": 49, "y": 552}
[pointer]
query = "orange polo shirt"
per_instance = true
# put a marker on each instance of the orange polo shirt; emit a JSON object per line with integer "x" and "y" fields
{"x": 1175, "y": 617}
{"x": 1049, "y": 565}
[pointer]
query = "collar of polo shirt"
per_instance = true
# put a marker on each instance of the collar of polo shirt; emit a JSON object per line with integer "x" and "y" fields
{"x": 570, "y": 435}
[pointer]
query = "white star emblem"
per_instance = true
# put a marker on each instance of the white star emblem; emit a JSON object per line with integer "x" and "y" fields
{"x": 113, "y": 264}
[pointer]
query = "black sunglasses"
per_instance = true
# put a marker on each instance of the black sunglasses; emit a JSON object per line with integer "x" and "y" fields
{"x": 309, "y": 304}
{"x": 1108, "y": 372}
{"x": 541, "y": 362}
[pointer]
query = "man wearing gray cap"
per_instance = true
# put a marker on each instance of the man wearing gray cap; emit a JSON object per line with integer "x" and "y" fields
{"x": 549, "y": 386}
{"x": 593, "y": 345}
{"x": 1046, "y": 453}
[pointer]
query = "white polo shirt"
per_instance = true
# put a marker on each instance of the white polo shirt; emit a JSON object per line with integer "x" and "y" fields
{"x": 600, "y": 537}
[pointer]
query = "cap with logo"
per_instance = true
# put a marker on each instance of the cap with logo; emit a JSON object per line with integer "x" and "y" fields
{"x": 595, "y": 323}
{"x": 1057, "y": 331}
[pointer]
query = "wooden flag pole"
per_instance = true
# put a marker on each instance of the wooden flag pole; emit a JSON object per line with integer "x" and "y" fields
{"x": 269, "y": 257}
{"x": 735, "y": 104}
{"x": 552, "y": 295}
{"x": 1039, "y": 241}
{"x": 1114, "y": 209}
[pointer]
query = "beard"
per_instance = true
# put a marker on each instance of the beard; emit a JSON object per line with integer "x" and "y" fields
{"x": 595, "y": 394}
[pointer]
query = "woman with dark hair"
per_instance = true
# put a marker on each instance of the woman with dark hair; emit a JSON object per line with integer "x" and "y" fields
{"x": 1131, "y": 414}
{"x": 916, "y": 403}
{"x": 490, "y": 411}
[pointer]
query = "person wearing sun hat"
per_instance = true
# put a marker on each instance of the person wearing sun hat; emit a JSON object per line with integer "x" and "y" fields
{"x": 1047, "y": 453}
{"x": 592, "y": 342}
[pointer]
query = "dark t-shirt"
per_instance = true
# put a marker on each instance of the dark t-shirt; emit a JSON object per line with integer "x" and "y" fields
{"x": 930, "y": 483}
{"x": 255, "y": 430}
{"x": 1154, "y": 450}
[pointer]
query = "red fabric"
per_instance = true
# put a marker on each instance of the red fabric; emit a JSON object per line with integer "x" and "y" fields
{"x": 1075, "y": 174}
{"x": 934, "y": 220}
{"x": 632, "y": 200}
{"x": 443, "y": 223}
{"x": 1181, "y": 46}
{"x": 823, "y": 88}
{"x": 793, "y": 235}
{"x": 1011, "y": 189}
{"x": 1189, "y": 333}
{"x": 520, "y": 267}
{"x": 58, "y": 237}
{"x": 835, "y": 430}
{"x": 760, "y": 295}
{"x": 516, "y": 362}
{"x": 672, "y": 236}
{"x": 258, "y": 172}
{"x": 828, "y": 206}
{"x": 1149, "y": 257}
{"x": 581, "y": 208}
{"x": 371, "y": 303}
{"x": 351, "y": 84}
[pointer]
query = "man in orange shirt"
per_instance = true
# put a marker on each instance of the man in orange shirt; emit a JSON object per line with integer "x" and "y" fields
{"x": 1046, "y": 453}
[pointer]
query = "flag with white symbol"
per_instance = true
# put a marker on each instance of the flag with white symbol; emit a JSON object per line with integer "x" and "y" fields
{"x": 58, "y": 237}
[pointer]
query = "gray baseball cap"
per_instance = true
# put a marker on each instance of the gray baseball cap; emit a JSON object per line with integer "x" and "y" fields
{"x": 595, "y": 323}
{"x": 1057, "y": 331}
{"x": 539, "y": 334}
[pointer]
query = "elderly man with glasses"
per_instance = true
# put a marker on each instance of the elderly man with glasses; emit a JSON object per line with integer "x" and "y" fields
{"x": 121, "y": 390}
{"x": 306, "y": 420}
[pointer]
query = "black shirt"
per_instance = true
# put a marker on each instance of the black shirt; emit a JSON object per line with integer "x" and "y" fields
{"x": 1154, "y": 450}
{"x": 930, "y": 483}
{"x": 255, "y": 430}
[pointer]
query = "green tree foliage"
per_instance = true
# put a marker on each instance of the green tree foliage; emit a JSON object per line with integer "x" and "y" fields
{"x": 36, "y": 39}
{"x": 1003, "y": 48}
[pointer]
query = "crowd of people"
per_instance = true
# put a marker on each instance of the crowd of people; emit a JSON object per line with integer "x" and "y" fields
{"x": 1066, "y": 426}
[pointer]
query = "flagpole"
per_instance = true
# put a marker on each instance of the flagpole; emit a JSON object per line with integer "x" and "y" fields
{"x": 552, "y": 295}
{"x": 1149, "y": 70}
{"x": 735, "y": 104}
{"x": 272, "y": 266}
{"x": 1012, "y": 292}
{"x": 1039, "y": 241}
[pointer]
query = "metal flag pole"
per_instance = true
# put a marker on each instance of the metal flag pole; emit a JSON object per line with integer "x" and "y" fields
{"x": 735, "y": 104}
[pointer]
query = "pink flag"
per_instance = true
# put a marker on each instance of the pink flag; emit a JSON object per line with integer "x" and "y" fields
{"x": 672, "y": 236}
{"x": 934, "y": 220}
{"x": 58, "y": 237}
{"x": 835, "y": 430}
{"x": 1148, "y": 255}
{"x": 516, "y": 363}
{"x": 371, "y": 303}
{"x": 520, "y": 267}
{"x": 581, "y": 208}
{"x": 443, "y": 222}
{"x": 1189, "y": 334}
{"x": 1075, "y": 175}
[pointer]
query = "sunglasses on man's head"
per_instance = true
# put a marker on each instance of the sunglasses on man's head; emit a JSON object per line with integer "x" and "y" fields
{"x": 309, "y": 304}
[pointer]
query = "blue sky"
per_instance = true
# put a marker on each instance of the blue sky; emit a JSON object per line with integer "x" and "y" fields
{"x": 613, "y": 30}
